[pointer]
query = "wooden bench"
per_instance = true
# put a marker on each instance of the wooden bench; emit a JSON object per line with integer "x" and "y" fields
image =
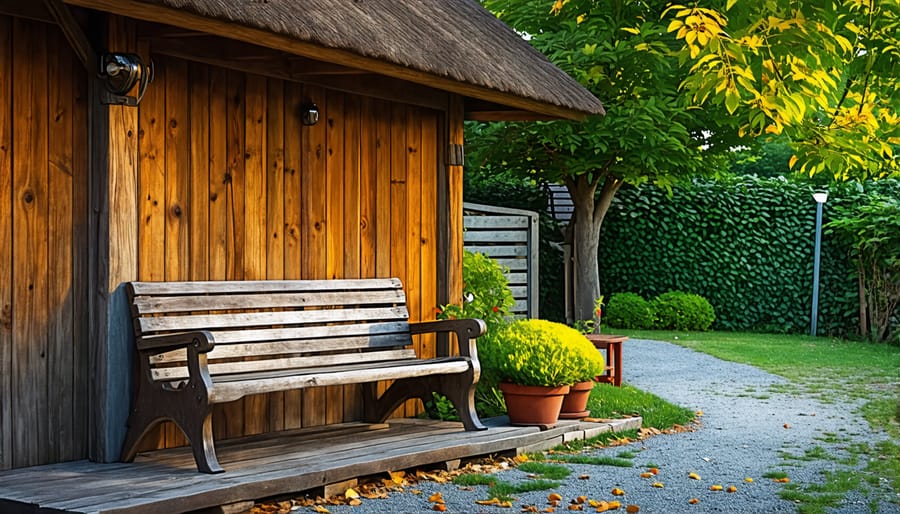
{"x": 204, "y": 343}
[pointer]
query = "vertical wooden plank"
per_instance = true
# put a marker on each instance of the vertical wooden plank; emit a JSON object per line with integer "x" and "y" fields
{"x": 230, "y": 422}
{"x": 256, "y": 410}
{"x": 314, "y": 222}
{"x": 383, "y": 189}
{"x": 199, "y": 171}
{"x": 219, "y": 189}
{"x": 80, "y": 264}
{"x": 414, "y": 203}
{"x": 152, "y": 203}
{"x": 293, "y": 149}
{"x": 398, "y": 200}
{"x": 334, "y": 191}
{"x": 61, "y": 337}
{"x": 274, "y": 144}
{"x": 353, "y": 221}
{"x": 114, "y": 246}
{"x": 30, "y": 211}
{"x": 428, "y": 300}
{"x": 368, "y": 160}
{"x": 219, "y": 177}
{"x": 450, "y": 219}
{"x": 177, "y": 188}
{"x": 6, "y": 242}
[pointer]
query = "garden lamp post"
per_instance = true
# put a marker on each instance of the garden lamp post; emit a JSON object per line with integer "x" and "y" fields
{"x": 820, "y": 199}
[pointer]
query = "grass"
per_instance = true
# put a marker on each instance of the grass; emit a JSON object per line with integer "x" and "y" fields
{"x": 608, "y": 401}
{"x": 544, "y": 476}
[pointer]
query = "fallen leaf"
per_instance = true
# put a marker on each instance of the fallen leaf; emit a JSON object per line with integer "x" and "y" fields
{"x": 321, "y": 509}
{"x": 351, "y": 493}
{"x": 783, "y": 480}
{"x": 699, "y": 413}
{"x": 584, "y": 477}
{"x": 646, "y": 475}
{"x": 786, "y": 425}
{"x": 439, "y": 507}
{"x": 693, "y": 501}
{"x": 492, "y": 501}
{"x": 505, "y": 505}
{"x": 436, "y": 498}
{"x": 530, "y": 508}
{"x": 715, "y": 488}
{"x": 554, "y": 497}
{"x": 731, "y": 489}
{"x": 748, "y": 480}
{"x": 694, "y": 476}
{"x": 580, "y": 500}
{"x": 576, "y": 507}
{"x": 397, "y": 477}
{"x": 631, "y": 509}
{"x": 549, "y": 509}
{"x": 655, "y": 471}
{"x": 614, "y": 505}
{"x": 658, "y": 485}
{"x": 618, "y": 492}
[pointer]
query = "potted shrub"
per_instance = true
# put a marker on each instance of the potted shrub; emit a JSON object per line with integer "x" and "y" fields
{"x": 535, "y": 362}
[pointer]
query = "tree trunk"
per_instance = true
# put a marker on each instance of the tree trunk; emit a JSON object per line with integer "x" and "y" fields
{"x": 590, "y": 209}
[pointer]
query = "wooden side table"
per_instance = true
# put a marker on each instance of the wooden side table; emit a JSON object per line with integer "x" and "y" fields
{"x": 612, "y": 345}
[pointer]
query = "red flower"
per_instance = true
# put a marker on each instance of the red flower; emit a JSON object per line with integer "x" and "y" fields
{"x": 597, "y": 312}
{"x": 495, "y": 308}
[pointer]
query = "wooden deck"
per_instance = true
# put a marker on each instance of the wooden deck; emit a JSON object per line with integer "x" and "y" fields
{"x": 167, "y": 482}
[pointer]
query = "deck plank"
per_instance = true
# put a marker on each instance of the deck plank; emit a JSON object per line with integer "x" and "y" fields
{"x": 166, "y": 481}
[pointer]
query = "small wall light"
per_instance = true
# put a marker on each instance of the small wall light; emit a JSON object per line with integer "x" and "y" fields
{"x": 120, "y": 73}
{"x": 309, "y": 113}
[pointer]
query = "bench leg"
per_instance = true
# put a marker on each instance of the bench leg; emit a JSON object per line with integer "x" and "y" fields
{"x": 199, "y": 433}
{"x": 459, "y": 389}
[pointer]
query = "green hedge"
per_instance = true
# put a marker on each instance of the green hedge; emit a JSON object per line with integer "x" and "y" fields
{"x": 746, "y": 245}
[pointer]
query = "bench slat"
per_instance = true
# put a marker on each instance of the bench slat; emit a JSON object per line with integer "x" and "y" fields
{"x": 171, "y": 304}
{"x": 312, "y": 363}
{"x": 261, "y": 286}
{"x": 318, "y": 331}
{"x": 365, "y": 344}
{"x": 234, "y": 388}
{"x": 259, "y": 319}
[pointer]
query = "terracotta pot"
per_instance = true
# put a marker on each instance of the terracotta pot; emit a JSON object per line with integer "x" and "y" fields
{"x": 533, "y": 405}
{"x": 575, "y": 403}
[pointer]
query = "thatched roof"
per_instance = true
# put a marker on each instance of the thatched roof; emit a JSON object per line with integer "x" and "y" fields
{"x": 451, "y": 40}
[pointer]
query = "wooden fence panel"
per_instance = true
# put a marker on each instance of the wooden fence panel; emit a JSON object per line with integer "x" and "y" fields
{"x": 510, "y": 237}
{"x": 6, "y": 247}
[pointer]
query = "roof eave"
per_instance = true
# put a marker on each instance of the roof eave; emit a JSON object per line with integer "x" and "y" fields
{"x": 165, "y": 15}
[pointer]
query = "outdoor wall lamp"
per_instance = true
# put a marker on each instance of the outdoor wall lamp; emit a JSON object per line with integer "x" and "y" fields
{"x": 120, "y": 72}
{"x": 309, "y": 114}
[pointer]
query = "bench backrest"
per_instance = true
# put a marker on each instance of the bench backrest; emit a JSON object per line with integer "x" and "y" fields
{"x": 275, "y": 325}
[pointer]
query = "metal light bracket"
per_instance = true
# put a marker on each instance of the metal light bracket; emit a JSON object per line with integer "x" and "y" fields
{"x": 120, "y": 72}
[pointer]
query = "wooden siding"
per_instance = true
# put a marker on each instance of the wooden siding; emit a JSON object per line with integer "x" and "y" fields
{"x": 43, "y": 210}
{"x": 232, "y": 186}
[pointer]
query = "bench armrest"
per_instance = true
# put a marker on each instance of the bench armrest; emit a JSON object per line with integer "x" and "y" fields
{"x": 201, "y": 340}
{"x": 466, "y": 331}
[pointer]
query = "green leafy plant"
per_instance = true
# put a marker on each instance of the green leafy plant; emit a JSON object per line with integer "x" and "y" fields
{"x": 538, "y": 353}
{"x": 629, "y": 310}
{"x": 872, "y": 232}
{"x": 682, "y": 311}
{"x": 486, "y": 293}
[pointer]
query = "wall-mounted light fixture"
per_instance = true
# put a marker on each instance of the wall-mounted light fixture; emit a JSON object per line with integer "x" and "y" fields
{"x": 120, "y": 72}
{"x": 309, "y": 113}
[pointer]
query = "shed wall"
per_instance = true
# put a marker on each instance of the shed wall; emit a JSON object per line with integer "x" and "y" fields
{"x": 232, "y": 186}
{"x": 43, "y": 210}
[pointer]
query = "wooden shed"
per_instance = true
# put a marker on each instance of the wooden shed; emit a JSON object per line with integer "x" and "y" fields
{"x": 215, "y": 176}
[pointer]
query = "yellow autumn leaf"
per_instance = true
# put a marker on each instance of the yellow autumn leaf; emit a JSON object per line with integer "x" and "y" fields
{"x": 748, "y": 480}
{"x": 632, "y": 509}
{"x": 693, "y": 501}
{"x": 554, "y": 497}
{"x": 617, "y": 492}
{"x": 731, "y": 489}
{"x": 658, "y": 485}
{"x": 436, "y": 498}
{"x": 492, "y": 501}
{"x": 351, "y": 493}
{"x": 320, "y": 509}
{"x": 397, "y": 477}
{"x": 439, "y": 507}
{"x": 694, "y": 476}
{"x": 613, "y": 505}
{"x": 646, "y": 475}
{"x": 715, "y": 487}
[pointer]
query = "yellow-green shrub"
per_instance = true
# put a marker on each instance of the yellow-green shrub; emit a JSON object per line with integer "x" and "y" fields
{"x": 538, "y": 352}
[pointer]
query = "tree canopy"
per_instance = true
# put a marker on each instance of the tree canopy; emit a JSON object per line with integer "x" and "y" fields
{"x": 825, "y": 74}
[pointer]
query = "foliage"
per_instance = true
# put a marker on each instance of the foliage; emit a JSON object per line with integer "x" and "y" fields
{"x": 622, "y": 53}
{"x": 745, "y": 244}
{"x": 682, "y": 311}
{"x": 629, "y": 310}
{"x": 538, "y": 353}
{"x": 768, "y": 156}
{"x": 824, "y": 74}
{"x": 872, "y": 231}
{"x": 486, "y": 293}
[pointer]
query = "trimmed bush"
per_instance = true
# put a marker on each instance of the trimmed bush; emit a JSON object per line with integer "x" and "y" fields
{"x": 682, "y": 311}
{"x": 629, "y": 310}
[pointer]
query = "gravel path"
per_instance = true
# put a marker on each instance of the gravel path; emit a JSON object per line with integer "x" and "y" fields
{"x": 745, "y": 429}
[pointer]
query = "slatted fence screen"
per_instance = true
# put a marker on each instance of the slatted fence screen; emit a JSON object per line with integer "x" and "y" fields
{"x": 510, "y": 237}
